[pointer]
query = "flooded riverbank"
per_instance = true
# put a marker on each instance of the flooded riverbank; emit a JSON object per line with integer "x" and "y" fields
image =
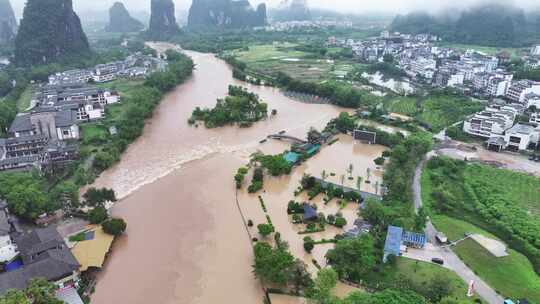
{"x": 185, "y": 241}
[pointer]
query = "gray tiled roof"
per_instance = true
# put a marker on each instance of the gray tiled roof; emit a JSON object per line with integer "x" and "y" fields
{"x": 65, "y": 118}
{"x": 44, "y": 255}
{"x": 21, "y": 123}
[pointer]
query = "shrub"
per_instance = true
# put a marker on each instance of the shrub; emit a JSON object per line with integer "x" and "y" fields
{"x": 250, "y": 223}
{"x": 309, "y": 244}
{"x": 379, "y": 161}
{"x": 331, "y": 219}
{"x": 265, "y": 229}
{"x": 340, "y": 222}
{"x": 114, "y": 226}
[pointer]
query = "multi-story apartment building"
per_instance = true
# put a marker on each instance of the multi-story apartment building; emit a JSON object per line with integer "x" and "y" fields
{"x": 521, "y": 137}
{"x": 519, "y": 89}
{"x": 493, "y": 121}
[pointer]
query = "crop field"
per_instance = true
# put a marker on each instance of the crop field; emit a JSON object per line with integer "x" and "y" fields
{"x": 441, "y": 111}
{"x": 403, "y": 105}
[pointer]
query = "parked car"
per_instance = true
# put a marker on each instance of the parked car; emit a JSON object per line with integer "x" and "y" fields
{"x": 438, "y": 261}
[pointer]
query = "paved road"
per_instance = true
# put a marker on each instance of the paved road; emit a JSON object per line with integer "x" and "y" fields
{"x": 451, "y": 260}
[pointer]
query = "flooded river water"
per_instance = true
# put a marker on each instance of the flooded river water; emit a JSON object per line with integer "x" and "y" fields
{"x": 185, "y": 241}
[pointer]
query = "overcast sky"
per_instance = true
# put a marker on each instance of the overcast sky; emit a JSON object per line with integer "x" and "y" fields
{"x": 356, "y": 6}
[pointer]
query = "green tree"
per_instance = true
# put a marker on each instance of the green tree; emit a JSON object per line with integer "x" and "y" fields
{"x": 353, "y": 258}
{"x": 94, "y": 197}
{"x": 98, "y": 215}
{"x": 300, "y": 277}
{"x": 324, "y": 283}
{"x": 340, "y": 222}
{"x": 114, "y": 226}
{"x": 265, "y": 229}
{"x": 39, "y": 291}
{"x": 271, "y": 265}
{"x": 309, "y": 244}
{"x": 387, "y": 296}
{"x": 438, "y": 288}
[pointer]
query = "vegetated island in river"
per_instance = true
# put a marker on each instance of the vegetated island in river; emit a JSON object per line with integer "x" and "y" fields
{"x": 239, "y": 107}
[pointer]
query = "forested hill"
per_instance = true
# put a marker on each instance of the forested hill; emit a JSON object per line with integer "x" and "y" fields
{"x": 120, "y": 20}
{"x": 490, "y": 25}
{"x": 50, "y": 31}
{"x": 8, "y": 23}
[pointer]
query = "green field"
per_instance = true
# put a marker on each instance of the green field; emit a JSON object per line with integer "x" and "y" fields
{"x": 403, "y": 105}
{"x": 519, "y": 188}
{"x": 272, "y": 58}
{"x": 419, "y": 274}
{"x": 440, "y": 111}
{"x": 24, "y": 101}
{"x": 512, "y": 276}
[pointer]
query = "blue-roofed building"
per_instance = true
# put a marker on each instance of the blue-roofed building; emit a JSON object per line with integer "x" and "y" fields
{"x": 412, "y": 239}
{"x": 310, "y": 213}
{"x": 397, "y": 238}
{"x": 392, "y": 245}
{"x": 292, "y": 158}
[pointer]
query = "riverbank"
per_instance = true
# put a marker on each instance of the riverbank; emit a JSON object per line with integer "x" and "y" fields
{"x": 185, "y": 235}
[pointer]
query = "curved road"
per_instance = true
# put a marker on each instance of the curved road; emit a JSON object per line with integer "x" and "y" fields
{"x": 451, "y": 259}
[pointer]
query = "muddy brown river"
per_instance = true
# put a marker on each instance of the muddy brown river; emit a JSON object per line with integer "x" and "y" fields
{"x": 185, "y": 241}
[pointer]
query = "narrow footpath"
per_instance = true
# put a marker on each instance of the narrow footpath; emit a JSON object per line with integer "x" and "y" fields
{"x": 450, "y": 258}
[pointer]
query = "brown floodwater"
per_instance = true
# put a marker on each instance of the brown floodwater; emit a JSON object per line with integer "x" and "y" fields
{"x": 185, "y": 241}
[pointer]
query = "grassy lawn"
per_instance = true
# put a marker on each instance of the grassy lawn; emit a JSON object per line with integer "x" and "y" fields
{"x": 403, "y": 105}
{"x": 123, "y": 86}
{"x": 421, "y": 273}
{"x": 511, "y": 276}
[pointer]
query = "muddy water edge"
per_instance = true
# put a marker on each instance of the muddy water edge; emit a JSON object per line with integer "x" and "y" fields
{"x": 185, "y": 241}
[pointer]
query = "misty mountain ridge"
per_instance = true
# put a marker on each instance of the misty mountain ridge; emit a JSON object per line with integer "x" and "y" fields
{"x": 292, "y": 10}
{"x": 499, "y": 25}
{"x": 226, "y": 14}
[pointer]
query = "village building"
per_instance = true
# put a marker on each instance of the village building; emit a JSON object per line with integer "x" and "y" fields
{"x": 493, "y": 121}
{"x": 42, "y": 254}
{"x": 398, "y": 239}
{"x": 519, "y": 89}
{"x": 87, "y": 101}
{"x": 532, "y": 100}
{"x": 48, "y": 122}
{"x": 535, "y": 118}
{"x": 521, "y": 136}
